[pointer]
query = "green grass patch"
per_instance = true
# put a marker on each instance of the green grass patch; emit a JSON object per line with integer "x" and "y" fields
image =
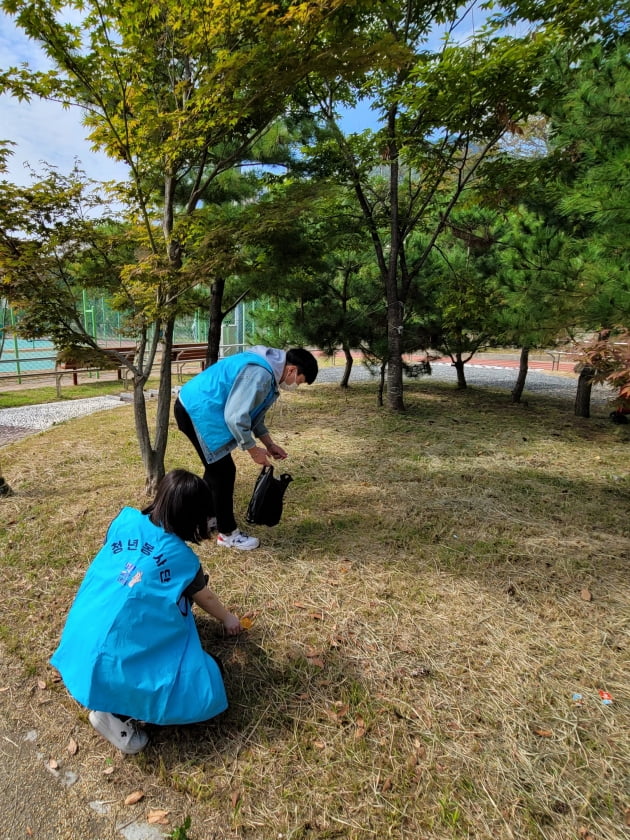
{"x": 28, "y": 395}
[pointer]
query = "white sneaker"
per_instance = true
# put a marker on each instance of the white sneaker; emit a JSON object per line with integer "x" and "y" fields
{"x": 237, "y": 539}
{"x": 123, "y": 734}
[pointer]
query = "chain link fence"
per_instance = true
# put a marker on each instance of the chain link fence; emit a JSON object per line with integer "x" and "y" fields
{"x": 21, "y": 356}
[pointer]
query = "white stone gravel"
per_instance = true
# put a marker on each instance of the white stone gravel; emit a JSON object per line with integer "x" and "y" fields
{"x": 44, "y": 416}
{"x": 489, "y": 376}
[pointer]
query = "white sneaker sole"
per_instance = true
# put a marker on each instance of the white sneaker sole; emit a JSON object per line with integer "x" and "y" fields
{"x": 238, "y": 547}
{"x": 105, "y": 733}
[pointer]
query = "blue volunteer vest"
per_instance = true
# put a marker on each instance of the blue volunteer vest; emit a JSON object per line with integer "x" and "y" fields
{"x": 130, "y": 644}
{"x": 205, "y": 395}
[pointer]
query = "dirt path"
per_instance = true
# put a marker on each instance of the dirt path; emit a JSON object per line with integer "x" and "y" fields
{"x": 11, "y": 434}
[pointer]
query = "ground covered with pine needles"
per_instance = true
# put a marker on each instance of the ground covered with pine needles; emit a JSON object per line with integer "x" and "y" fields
{"x": 431, "y": 624}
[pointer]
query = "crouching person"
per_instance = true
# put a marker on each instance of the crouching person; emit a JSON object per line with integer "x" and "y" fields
{"x": 130, "y": 650}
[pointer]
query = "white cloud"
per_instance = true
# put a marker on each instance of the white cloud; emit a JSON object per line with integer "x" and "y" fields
{"x": 41, "y": 130}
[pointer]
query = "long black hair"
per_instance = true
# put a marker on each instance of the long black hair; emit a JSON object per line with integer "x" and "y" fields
{"x": 182, "y": 506}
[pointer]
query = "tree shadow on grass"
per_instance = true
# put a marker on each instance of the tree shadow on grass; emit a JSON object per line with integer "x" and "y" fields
{"x": 265, "y": 698}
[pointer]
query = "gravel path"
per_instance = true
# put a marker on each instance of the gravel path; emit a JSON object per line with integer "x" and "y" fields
{"x": 16, "y": 423}
{"x": 490, "y": 376}
{"x": 38, "y": 417}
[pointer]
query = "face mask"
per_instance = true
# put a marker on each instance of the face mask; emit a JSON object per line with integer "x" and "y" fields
{"x": 289, "y": 386}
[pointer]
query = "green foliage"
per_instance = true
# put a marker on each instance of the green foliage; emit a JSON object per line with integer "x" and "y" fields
{"x": 543, "y": 282}
{"x": 564, "y": 269}
{"x": 593, "y": 132}
{"x": 460, "y": 287}
{"x": 53, "y": 245}
{"x": 609, "y": 356}
{"x": 443, "y": 112}
{"x": 181, "y": 831}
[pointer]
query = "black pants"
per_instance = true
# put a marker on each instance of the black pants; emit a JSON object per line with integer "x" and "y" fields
{"x": 219, "y": 476}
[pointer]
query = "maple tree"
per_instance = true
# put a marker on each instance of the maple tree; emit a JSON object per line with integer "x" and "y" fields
{"x": 443, "y": 112}
{"x": 607, "y": 357}
{"x": 179, "y": 93}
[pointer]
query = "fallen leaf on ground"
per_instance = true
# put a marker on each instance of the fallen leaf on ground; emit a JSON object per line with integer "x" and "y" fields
{"x": 315, "y": 657}
{"x": 158, "y": 817}
{"x": 336, "y": 716}
{"x": 543, "y": 733}
{"x": 235, "y": 798}
{"x": 41, "y": 684}
{"x": 246, "y": 623}
{"x": 387, "y": 784}
{"x": 108, "y": 770}
{"x": 72, "y": 747}
{"x": 627, "y": 816}
{"x": 134, "y": 797}
{"x": 53, "y": 764}
{"x": 585, "y": 594}
{"x": 412, "y": 760}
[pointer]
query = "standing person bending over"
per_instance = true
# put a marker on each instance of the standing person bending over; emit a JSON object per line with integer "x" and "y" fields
{"x": 130, "y": 649}
{"x": 224, "y": 407}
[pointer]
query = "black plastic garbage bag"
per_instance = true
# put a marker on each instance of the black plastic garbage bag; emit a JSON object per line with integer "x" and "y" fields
{"x": 265, "y": 506}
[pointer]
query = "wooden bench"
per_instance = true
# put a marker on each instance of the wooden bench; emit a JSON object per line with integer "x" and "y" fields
{"x": 180, "y": 356}
{"x": 76, "y": 366}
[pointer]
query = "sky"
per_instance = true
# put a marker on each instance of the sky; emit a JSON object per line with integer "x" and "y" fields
{"x": 45, "y": 132}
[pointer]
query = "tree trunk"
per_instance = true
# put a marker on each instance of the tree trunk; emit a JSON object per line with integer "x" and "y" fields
{"x": 394, "y": 362}
{"x": 215, "y": 321}
{"x": 583, "y": 393}
{"x": 142, "y": 367}
{"x": 394, "y": 303}
{"x": 142, "y": 431}
{"x": 381, "y": 385}
{"x": 163, "y": 409}
{"x": 348, "y": 368}
{"x": 458, "y": 364}
{"x": 5, "y": 490}
{"x": 517, "y": 390}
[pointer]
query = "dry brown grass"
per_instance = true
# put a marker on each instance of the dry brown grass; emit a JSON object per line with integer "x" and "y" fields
{"x": 419, "y": 621}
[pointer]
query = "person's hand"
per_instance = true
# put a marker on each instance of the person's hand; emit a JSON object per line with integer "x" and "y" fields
{"x": 259, "y": 456}
{"x": 232, "y": 624}
{"x": 277, "y": 452}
